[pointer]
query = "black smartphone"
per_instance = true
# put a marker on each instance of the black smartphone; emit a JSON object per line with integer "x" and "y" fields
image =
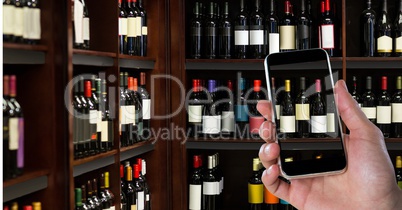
{"x": 309, "y": 131}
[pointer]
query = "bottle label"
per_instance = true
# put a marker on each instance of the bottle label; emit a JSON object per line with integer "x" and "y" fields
{"x": 8, "y": 19}
{"x": 112, "y": 208}
{"x": 319, "y": 124}
{"x": 144, "y": 30}
{"x": 287, "y": 37}
{"x": 255, "y": 124}
{"x": 211, "y": 31}
{"x": 36, "y": 27}
{"x": 105, "y": 131}
{"x": 147, "y": 197}
{"x": 140, "y": 200}
{"x": 288, "y": 124}
{"x": 370, "y": 112}
{"x": 93, "y": 117}
{"x": 256, "y": 37}
{"x": 195, "y": 113}
{"x": 138, "y": 26}
{"x": 99, "y": 122}
{"x": 211, "y": 124}
{"x": 328, "y": 37}
{"x": 18, "y": 21}
{"x": 14, "y": 134}
{"x": 131, "y": 114}
{"x": 398, "y": 44}
{"x": 225, "y": 31}
{"x": 133, "y": 207}
{"x": 277, "y": 110}
{"x": 196, "y": 31}
{"x": 210, "y": 188}
{"x": 241, "y": 37}
{"x": 131, "y": 27}
{"x": 122, "y": 26}
{"x": 146, "y": 109}
{"x": 228, "y": 124}
{"x": 331, "y": 122}
{"x": 303, "y": 32}
{"x": 221, "y": 185}
{"x": 302, "y": 111}
{"x": 396, "y": 112}
{"x": 273, "y": 43}
{"x": 123, "y": 115}
{"x": 384, "y": 44}
{"x": 78, "y": 21}
{"x": 255, "y": 193}
{"x": 195, "y": 197}
{"x": 123, "y": 206}
{"x": 86, "y": 28}
{"x": 241, "y": 113}
{"x": 384, "y": 114}
{"x": 269, "y": 198}
{"x": 27, "y": 21}
{"x": 20, "y": 152}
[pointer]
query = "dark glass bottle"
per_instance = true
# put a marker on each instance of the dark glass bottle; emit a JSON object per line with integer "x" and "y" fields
{"x": 107, "y": 122}
{"x": 384, "y": 109}
{"x": 369, "y": 102}
{"x": 272, "y": 30}
{"x": 398, "y": 171}
{"x": 211, "y": 34}
{"x": 396, "y": 104}
{"x": 256, "y": 119}
{"x": 85, "y": 203}
{"x": 195, "y": 185}
{"x": 226, "y": 34}
{"x": 194, "y": 109}
{"x": 211, "y": 114}
{"x": 103, "y": 197}
{"x": 130, "y": 189}
{"x": 302, "y": 111}
{"x": 93, "y": 116}
{"x": 241, "y": 109}
{"x": 328, "y": 27}
{"x": 8, "y": 116}
{"x": 123, "y": 189}
{"x": 108, "y": 192}
{"x": 255, "y": 188}
{"x": 384, "y": 33}
{"x": 78, "y": 200}
{"x": 355, "y": 93}
{"x": 136, "y": 130}
{"x": 196, "y": 33}
{"x": 287, "y": 30}
{"x": 276, "y": 103}
{"x": 228, "y": 121}
{"x": 122, "y": 28}
{"x": 270, "y": 200}
{"x": 368, "y": 24}
{"x": 398, "y": 32}
{"x": 147, "y": 191}
{"x": 132, "y": 14}
{"x": 96, "y": 95}
{"x": 86, "y": 27}
{"x": 304, "y": 28}
{"x": 138, "y": 188}
{"x": 318, "y": 113}
{"x": 145, "y": 100}
{"x": 86, "y": 133}
{"x": 95, "y": 195}
{"x": 77, "y": 124}
{"x": 94, "y": 204}
{"x": 256, "y": 47}
{"x": 287, "y": 115}
{"x": 144, "y": 30}
{"x": 210, "y": 187}
{"x": 241, "y": 33}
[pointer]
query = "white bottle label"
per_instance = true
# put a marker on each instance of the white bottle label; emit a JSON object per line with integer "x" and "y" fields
{"x": 211, "y": 124}
{"x": 112, "y": 208}
{"x": 86, "y": 29}
{"x": 27, "y": 22}
{"x": 123, "y": 115}
{"x": 278, "y": 111}
{"x": 105, "y": 131}
{"x": 287, "y": 37}
{"x": 210, "y": 188}
{"x": 141, "y": 200}
{"x": 384, "y": 44}
{"x": 288, "y": 124}
{"x": 14, "y": 134}
{"x": 146, "y": 109}
{"x": 99, "y": 122}
{"x": 144, "y": 30}
{"x": 370, "y": 112}
{"x": 18, "y": 21}
{"x": 319, "y": 124}
{"x": 78, "y": 21}
{"x": 398, "y": 43}
{"x": 195, "y": 197}
{"x": 228, "y": 122}
{"x": 384, "y": 114}
{"x": 331, "y": 122}
{"x": 241, "y": 37}
{"x": 195, "y": 113}
{"x": 328, "y": 37}
{"x": 122, "y": 26}
{"x": 273, "y": 43}
{"x": 302, "y": 111}
{"x": 130, "y": 114}
{"x": 396, "y": 112}
{"x": 131, "y": 27}
{"x": 36, "y": 26}
{"x": 8, "y": 19}
{"x": 256, "y": 37}
{"x": 93, "y": 117}
{"x": 138, "y": 24}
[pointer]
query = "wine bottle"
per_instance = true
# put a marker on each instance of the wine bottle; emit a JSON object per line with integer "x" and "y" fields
{"x": 195, "y": 107}
{"x": 196, "y": 33}
{"x": 270, "y": 200}
{"x": 195, "y": 185}
{"x": 78, "y": 22}
{"x": 32, "y": 22}
{"x": 123, "y": 189}
{"x": 396, "y": 105}
{"x": 146, "y": 107}
{"x": 18, "y": 21}
{"x": 211, "y": 34}
{"x": 8, "y": 114}
{"x": 241, "y": 33}
{"x": 287, "y": 114}
{"x": 141, "y": 178}
{"x": 226, "y": 34}
{"x": 272, "y": 30}
{"x": 384, "y": 33}
{"x": 384, "y": 109}
{"x": 285, "y": 205}
{"x": 130, "y": 109}
{"x": 219, "y": 176}
{"x": 275, "y": 96}
{"x": 318, "y": 113}
{"x": 36, "y": 206}
{"x": 132, "y": 15}
{"x": 78, "y": 140}
{"x": 321, "y": 17}
{"x": 144, "y": 30}
{"x": 78, "y": 200}
{"x": 398, "y": 32}
{"x": 368, "y": 24}
{"x": 355, "y": 94}
{"x": 138, "y": 111}
{"x": 108, "y": 192}
{"x": 107, "y": 122}
{"x": 8, "y": 20}
{"x": 304, "y": 28}
{"x": 96, "y": 96}
{"x": 241, "y": 109}
{"x": 398, "y": 171}
{"x": 123, "y": 127}
{"x": 228, "y": 121}
{"x": 95, "y": 195}
{"x": 103, "y": 196}
{"x": 210, "y": 187}
{"x": 302, "y": 111}
{"x": 369, "y": 102}
{"x": 130, "y": 189}
{"x": 256, "y": 46}
{"x": 138, "y": 189}
{"x": 94, "y": 204}
{"x": 86, "y": 29}
{"x": 256, "y": 119}
{"x": 327, "y": 31}
{"x": 146, "y": 187}
{"x": 86, "y": 138}
{"x": 255, "y": 188}
{"x": 93, "y": 118}
{"x": 287, "y": 30}
{"x": 122, "y": 28}
{"x": 211, "y": 115}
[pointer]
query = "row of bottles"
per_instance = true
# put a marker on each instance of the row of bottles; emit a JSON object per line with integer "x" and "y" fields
{"x": 81, "y": 24}
{"x": 15, "y": 206}
{"x": 92, "y": 123}
{"x": 206, "y": 184}
{"x": 133, "y": 30}
{"x": 135, "y": 110}
{"x": 383, "y": 108}
{"x": 398, "y": 171}
{"x": 95, "y": 195}
{"x": 13, "y": 130}
{"x": 21, "y": 21}
{"x": 253, "y": 35}
{"x": 135, "y": 193}
{"x": 380, "y": 35}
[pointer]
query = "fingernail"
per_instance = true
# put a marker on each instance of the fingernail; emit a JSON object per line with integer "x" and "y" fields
{"x": 269, "y": 170}
{"x": 264, "y": 133}
{"x": 267, "y": 149}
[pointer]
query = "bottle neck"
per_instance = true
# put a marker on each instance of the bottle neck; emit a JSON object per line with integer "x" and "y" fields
{"x": 385, "y": 6}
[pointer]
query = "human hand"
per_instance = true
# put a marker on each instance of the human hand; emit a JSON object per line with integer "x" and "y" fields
{"x": 369, "y": 181}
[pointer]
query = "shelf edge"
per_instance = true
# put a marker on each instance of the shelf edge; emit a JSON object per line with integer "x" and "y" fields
{"x": 25, "y": 188}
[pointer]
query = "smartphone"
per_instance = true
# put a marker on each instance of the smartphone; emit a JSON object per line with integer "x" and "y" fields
{"x": 325, "y": 151}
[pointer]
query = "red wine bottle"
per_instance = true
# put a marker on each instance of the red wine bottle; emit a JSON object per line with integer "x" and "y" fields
{"x": 96, "y": 94}
{"x": 93, "y": 118}
{"x": 384, "y": 33}
{"x": 256, "y": 119}
{"x": 355, "y": 93}
{"x": 123, "y": 189}
{"x": 211, "y": 114}
{"x": 384, "y": 109}
{"x": 369, "y": 102}
{"x": 398, "y": 32}
{"x": 226, "y": 34}
{"x": 241, "y": 33}
{"x": 272, "y": 30}
{"x": 318, "y": 113}
{"x": 327, "y": 30}
{"x": 211, "y": 34}
{"x": 287, "y": 30}
{"x": 302, "y": 111}
{"x": 77, "y": 124}
{"x": 130, "y": 189}
{"x": 85, "y": 204}
{"x": 103, "y": 196}
{"x": 396, "y": 104}
{"x": 86, "y": 134}
{"x": 368, "y": 24}
{"x": 195, "y": 185}
{"x": 257, "y": 45}
{"x": 287, "y": 114}
{"x": 196, "y": 33}
{"x": 228, "y": 121}
{"x": 143, "y": 30}
{"x": 122, "y": 28}
{"x": 132, "y": 14}
{"x": 146, "y": 107}
{"x": 138, "y": 189}
{"x": 241, "y": 109}
{"x": 8, "y": 114}
{"x": 107, "y": 122}
{"x": 194, "y": 109}
{"x": 304, "y": 28}
{"x": 138, "y": 119}
{"x": 255, "y": 188}
{"x": 210, "y": 187}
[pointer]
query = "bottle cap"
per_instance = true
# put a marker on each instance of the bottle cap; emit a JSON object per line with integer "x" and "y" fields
{"x": 230, "y": 85}
{"x": 6, "y": 85}
{"x": 399, "y": 83}
{"x": 287, "y": 85}
{"x": 302, "y": 83}
{"x": 37, "y": 205}
{"x": 318, "y": 85}
{"x": 368, "y": 83}
{"x": 135, "y": 84}
{"x": 129, "y": 174}
{"x": 256, "y": 164}
{"x": 195, "y": 84}
{"x": 287, "y": 7}
{"x": 13, "y": 86}
{"x": 29, "y": 207}
{"x": 327, "y": 5}
{"x": 398, "y": 163}
{"x": 384, "y": 83}
{"x": 257, "y": 85}
{"x": 136, "y": 171}
{"x": 196, "y": 161}
{"x": 242, "y": 83}
{"x": 142, "y": 78}
{"x": 106, "y": 179}
{"x": 121, "y": 171}
{"x": 88, "y": 89}
{"x": 211, "y": 86}
{"x": 130, "y": 83}
{"x": 139, "y": 163}
{"x": 78, "y": 197}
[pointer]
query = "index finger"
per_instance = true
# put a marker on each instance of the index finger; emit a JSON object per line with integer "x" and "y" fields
{"x": 265, "y": 109}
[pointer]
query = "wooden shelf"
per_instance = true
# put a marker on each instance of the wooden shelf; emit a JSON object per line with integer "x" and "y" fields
{"x": 93, "y": 58}
{"x": 24, "y": 54}
{"x": 136, "y": 149}
{"x": 91, "y": 163}
{"x": 136, "y": 62}
{"x": 25, "y": 47}
{"x": 374, "y": 62}
{"x": 29, "y": 182}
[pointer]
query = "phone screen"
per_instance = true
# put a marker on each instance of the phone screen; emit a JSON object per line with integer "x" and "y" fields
{"x": 308, "y": 127}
